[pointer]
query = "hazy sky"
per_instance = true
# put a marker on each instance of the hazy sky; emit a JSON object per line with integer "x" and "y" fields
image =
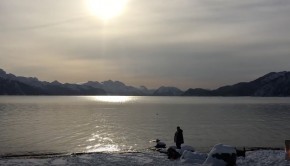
{"x": 183, "y": 43}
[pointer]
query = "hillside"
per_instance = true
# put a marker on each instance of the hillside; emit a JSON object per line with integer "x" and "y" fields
{"x": 272, "y": 84}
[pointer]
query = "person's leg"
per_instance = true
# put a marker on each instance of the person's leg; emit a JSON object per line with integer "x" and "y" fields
{"x": 178, "y": 145}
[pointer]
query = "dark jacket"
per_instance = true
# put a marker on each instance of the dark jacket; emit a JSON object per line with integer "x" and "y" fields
{"x": 178, "y": 137}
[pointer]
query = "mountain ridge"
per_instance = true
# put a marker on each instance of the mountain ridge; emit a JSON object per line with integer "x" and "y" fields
{"x": 271, "y": 84}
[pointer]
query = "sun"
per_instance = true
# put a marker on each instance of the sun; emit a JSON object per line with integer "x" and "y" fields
{"x": 106, "y": 9}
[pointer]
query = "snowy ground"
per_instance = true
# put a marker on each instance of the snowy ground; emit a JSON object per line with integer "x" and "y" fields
{"x": 153, "y": 158}
{"x": 264, "y": 158}
{"x": 255, "y": 158}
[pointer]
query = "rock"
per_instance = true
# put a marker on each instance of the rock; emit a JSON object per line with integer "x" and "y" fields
{"x": 221, "y": 155}
{"x": 172, "y": 153}
{"x": 192, "y": 157}
{"x": 188, "y": 148}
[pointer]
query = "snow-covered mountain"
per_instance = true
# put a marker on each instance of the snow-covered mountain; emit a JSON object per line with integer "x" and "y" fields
{"x": 118, "y": 88}
{"x": 33, "y": 81}
{"x": 36, "y": 86}
{"x": 18, "y": 85}
{"x": 272, "y": 84}
{"x": 167, "y": 91}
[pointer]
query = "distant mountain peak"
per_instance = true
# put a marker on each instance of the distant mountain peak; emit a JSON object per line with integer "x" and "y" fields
{"x": 93, "y": 82}
{"x": 2, "y": 72}
{"x": 55, "y": 82}
{"x": 272, "y": 76}
{"x": 271, "y": 84}
{"x": 112, "y": 82}
{"x": 168, "y": 91}
{"x": 143, "y": 87}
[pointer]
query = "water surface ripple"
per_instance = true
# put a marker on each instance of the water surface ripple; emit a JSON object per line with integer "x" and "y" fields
{"x": 65, "y": 124}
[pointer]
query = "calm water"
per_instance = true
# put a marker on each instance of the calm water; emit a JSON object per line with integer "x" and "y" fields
{"x": 105, "y": 124}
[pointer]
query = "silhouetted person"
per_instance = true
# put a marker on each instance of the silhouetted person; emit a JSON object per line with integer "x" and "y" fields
{"x": 178, "y": 138}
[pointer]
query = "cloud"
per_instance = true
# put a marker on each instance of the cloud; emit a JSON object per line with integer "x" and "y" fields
{"x": 188, "y": 43}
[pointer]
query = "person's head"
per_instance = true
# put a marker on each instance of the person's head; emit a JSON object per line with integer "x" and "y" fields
{"x": 157, "y": 140}
{"x": 178, "y": 128}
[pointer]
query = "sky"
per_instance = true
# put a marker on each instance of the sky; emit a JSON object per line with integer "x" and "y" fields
{"x": 182, "y": 43}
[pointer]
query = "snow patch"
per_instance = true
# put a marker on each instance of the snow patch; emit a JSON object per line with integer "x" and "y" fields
{"x": 58, "y": 161}
{"x": 190, "y": 157}
{"x": 253, "y": 158}
{"x": 221, "y": 155}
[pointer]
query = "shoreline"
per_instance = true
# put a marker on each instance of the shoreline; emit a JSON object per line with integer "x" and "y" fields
{"x": 256, "y": 157}
{"x": 64, "y": 154}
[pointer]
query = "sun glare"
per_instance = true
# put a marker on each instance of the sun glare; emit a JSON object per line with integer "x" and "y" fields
{"x": 106, "y": 9}
{"x": 113, "y": 99}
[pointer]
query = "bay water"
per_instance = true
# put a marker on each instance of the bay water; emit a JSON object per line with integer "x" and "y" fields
{"x": 72, "y": 124}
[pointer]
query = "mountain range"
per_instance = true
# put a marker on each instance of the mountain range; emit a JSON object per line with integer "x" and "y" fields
{"x": 272, "y": 84}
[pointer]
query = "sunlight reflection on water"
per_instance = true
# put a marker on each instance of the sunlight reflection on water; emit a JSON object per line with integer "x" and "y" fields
{"x": 112, "y": 99}
{"x": 123, "y": 123}
{"x": 101, "y": 141}
{"x": 103, "y": 148}
{"x": 102, "y": 144}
